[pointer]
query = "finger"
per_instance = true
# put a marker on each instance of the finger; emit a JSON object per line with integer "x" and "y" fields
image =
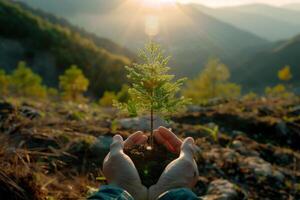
{"x": 135, "y": 139}
{"x": 189, "y": 145}
{"x": 170, "y": 138}
{"x": 117, "y": 144}
{"x": 161, "y": 140}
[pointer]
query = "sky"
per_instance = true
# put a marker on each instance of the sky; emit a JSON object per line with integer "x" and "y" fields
{"x": 216, "y": 3}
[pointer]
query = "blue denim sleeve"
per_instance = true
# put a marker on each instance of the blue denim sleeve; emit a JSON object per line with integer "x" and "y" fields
{"x": 178, "y": 194}
{"x": 109, "y": 192}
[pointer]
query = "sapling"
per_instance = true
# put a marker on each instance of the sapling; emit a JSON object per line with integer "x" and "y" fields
{"x": 153, "y": 90}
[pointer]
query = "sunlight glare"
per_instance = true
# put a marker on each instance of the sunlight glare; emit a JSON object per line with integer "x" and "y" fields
{"x": 152, "y": 25}
{"x": 157, "y": 3}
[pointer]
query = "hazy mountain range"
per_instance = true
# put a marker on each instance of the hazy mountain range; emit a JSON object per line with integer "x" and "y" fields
{"x": 272, "y": 23}
{"x": 244, "y": 37}
{"x": 189, "y": 35}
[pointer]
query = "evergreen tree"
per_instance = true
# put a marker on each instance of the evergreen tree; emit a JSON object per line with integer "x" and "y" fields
{"x": 73, "y": 83}
{"x": 24, "y": 82}
{"x": 152, "y": 90}
{"x": 212, "y": 83}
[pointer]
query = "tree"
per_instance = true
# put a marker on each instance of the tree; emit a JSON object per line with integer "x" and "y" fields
{"x": 73, "y": 83}
{"x": 109, "y": 97}
{"x": 285, "y": 74}
{"x": 24, "y": 82}
{"x": 4, "y": 82}
{"x": 152, "y": 89}
{"x": 211, "y": 83}
{"x": 279, "y": 91}
{"x": 52, "y": 92}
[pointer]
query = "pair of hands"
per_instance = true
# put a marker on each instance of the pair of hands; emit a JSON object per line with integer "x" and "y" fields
{"x": 119, "y": 169}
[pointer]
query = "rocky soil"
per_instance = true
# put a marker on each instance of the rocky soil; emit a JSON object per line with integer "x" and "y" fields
{"x": 249, "y": 149}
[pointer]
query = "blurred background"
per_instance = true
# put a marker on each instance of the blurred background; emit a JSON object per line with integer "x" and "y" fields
{"x": 253, "y": 39}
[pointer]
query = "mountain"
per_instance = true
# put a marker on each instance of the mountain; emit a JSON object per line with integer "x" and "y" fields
{"x": 261, "y": 69}
{"x": 272, "y": 23}
{"x": 50, "y": 45}
{"x": 189, "y": 35}
{"x": 293, "y": 6}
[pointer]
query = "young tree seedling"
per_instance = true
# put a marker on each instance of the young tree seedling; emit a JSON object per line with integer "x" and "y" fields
{"x": 153, "y": 90}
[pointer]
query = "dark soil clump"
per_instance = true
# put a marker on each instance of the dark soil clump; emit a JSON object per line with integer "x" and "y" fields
{"x": 150, "y": 163}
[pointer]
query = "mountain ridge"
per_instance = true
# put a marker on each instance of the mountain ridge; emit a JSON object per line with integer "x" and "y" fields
{"x": 35, "y": 39}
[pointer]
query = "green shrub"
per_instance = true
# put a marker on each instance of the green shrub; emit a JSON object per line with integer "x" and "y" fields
{"x": 211, "y": 83}
{"x": 73, "y": 83}
{"x": 25, "y": 83}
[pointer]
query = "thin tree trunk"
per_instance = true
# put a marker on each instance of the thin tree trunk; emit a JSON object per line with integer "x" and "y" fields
{"x": 151, "y": 136}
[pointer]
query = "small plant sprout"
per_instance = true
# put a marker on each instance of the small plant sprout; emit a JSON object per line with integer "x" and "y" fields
{"x": 152, "y": 90}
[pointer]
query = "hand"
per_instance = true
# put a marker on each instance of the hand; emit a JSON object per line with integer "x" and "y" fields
{"x": 167, "y": 138}
{"x": 119, "y": 169}
{"x": 182, "y": 172}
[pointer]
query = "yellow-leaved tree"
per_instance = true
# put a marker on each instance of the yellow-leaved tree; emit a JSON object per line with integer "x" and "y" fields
{"x": 24, "y": 82}
{"x": 110, "y": 97}
{"x": 285, "y": 74}
{"x": 4, "y": 82}
{"x": 73, "y": 83}
{"x": 281, "y": 90}
{"x": 211, "y": 83}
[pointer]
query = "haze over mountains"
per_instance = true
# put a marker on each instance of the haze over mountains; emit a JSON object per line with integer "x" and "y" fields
{"x": 272, "y": 23}
{"x": 240, "y": 36}
{"x": 189, "y": 35}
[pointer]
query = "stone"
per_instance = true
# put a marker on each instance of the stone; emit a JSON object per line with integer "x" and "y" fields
{"x": 281, "y": 128}
{"x": 262, "y": 168}
{"x": 295, "y": 111}
{"x": 5, "y": 109}
{"x": 258, "y": 166}
{"x": 102, "y": 146}
{"x": 236, "y": 144}
{"x": 196, "y": 109}
{"x": 142, "y": 123}
{"x": 221, "y": 189}
{"x": 29, "y": 112}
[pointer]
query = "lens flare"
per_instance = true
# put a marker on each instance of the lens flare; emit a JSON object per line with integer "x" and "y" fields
{"x": 151, "y": 25}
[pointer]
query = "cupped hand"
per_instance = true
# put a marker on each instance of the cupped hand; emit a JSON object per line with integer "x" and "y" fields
{"x": 167, "y": 138}
{"x": 180, "y": 173}
{"x": 119, "y": 169}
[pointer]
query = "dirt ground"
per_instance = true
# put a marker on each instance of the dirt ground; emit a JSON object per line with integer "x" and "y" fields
{"x": 249, "y": 149}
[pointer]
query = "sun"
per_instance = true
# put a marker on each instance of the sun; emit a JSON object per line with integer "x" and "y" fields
{"x": 156, "y": 3}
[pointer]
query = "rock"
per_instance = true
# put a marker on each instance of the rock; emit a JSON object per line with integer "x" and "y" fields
{"x": 29, "y": 112}
{"x": 236, "y": 133}
{"x": 295, "y": 111}
{"x": 196, "y": 109}
{"x": 262, "y": 168}
{"x": 141, "y": 123}
{"x": 236, "y": 144}
{"x": 265, "y": 110}
{"x": 225, "y": 154}
{"x": 5, "y": 109}
{"x": 259, "y": 166}
{"x": 282, "y": 129}
{"x": 101, "y": 146}
{"x": 221, "y": 190}
{"x": 240, "y": 147}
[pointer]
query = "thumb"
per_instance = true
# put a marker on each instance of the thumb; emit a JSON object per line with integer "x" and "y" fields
{"x": 188, "y": 146}
{"x": 117, "y": 144}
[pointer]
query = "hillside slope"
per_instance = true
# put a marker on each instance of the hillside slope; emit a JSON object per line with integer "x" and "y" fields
{"x": 272, "y": 23}
{"x": 261, "y": 69}
{"x": 50, "y": 48}
{"x": 188, "y": 34}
